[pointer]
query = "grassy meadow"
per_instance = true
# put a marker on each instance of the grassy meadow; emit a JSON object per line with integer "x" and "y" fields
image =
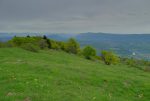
{"x": 58, "y": 76}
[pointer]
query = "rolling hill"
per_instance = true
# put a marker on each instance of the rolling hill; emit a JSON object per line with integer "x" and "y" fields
{"x": 123, "y": 44}
{"x": 57, "y": 76}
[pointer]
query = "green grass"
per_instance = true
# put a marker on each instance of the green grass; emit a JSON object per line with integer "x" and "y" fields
{"x": 58, "y": 76}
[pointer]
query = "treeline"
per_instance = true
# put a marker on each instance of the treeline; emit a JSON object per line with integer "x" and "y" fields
{"x": 36, "y": 43}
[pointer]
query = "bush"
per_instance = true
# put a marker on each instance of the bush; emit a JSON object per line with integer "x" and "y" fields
{"x": 47, "y": 41}
{"x": 8, "y": 44}
{"x": 72, "y": 46}
{"x": 55, "y": 45}
{"x": 131, "y": 62}
{"x": 137, "y": 63}
{"x": 89, "y": 52}
{"x": 37, "y": 41}
{"x": 30, "y": 47}
{"x": 43, "y": 44}
{"x": 1, "y": 45}
{"x": 147, "y": 69}
{"x": 109, "y": 57}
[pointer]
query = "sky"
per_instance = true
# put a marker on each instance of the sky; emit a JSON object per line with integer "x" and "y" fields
{"x": 75, "y": 16}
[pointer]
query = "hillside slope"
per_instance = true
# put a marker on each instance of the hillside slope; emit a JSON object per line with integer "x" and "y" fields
{"x": 58, "y": 76}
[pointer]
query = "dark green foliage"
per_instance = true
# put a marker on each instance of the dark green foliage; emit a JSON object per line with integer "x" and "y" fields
{"x": 30, "y": 47}
{"x": 98, "y": 58}
{"x": 55, "y": 45}
{"x": 109, "y": 57}
{"x": 62, "y": 45}
{"x": 147, "y": 69}
{"x": 43, "y": 44}
{"x": 45, "y": 37}
{"x": 48, "y": 41}
{"x": 88, "y": 52}
{"x": 58, "y": 45}
{"x": 36, "y": 41}
{"x": 1, "y": 44}
{"x": 28, "y": 36}
{"x": 140, "y": 64}
{"x": 72, "y": 46}
{"x": 17, "y": 41}
{"x": 8, "y": 44}
{"x": 131, "y": 62}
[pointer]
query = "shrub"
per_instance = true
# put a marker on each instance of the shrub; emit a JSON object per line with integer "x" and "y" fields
{"x": 147, "y": 69}
{"x": 30, "y": 47}
{"x": 55, "y": 45}
{"x": 137, "y": 63}
{"x": 1, "y": 45}
{"x": 131, "y": 62}
{"x": 28, "y": 36}
{"x": 61, "y": 45}
{"x": 72, "y": 46}
{"x": 37, "y": 41}
{"x": 88, "y": 52}
{"x": 47, "y": 41}
{"x": 109, "y": 57}
{"x": 8, "y": 44}
{"x": 43, "y": 44}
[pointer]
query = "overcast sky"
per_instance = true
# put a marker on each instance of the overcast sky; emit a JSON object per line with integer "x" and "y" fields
{"x": 75, "y": 16}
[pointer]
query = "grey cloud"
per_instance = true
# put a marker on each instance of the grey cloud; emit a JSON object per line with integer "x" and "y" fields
{"x": 117, "y": 16}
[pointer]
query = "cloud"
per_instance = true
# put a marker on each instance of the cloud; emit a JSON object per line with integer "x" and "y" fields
{"x": 116, "y": 16}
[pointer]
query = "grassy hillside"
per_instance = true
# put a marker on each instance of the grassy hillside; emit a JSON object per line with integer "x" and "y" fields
{"x": 58, "y": 76}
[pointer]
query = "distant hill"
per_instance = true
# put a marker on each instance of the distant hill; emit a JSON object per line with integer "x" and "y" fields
{"x": 128, "y": 45}
{"x": 123, "y": 44}
{"x": 55, "y": 36}
{"x": 60, "y": 37}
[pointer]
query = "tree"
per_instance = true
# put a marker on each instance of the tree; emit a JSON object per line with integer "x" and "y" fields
{"x": 45, "y": 37}
{"x": 72, "y": 46}
{"x": 109, "y": 57}
{"x": 28, "y": 36}
{"x": 89, "y": 52}
{"x": 48, "y": 41}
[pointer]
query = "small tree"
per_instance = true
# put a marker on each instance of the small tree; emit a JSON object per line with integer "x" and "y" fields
{"x": 109, "y": 57}
{"x": 48, "y": 41}
{"x": 89, "y": 52}
{"x": 45, "y": 37}
{"x": 28, "y": 36}
{"x": 72, "y": 46}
